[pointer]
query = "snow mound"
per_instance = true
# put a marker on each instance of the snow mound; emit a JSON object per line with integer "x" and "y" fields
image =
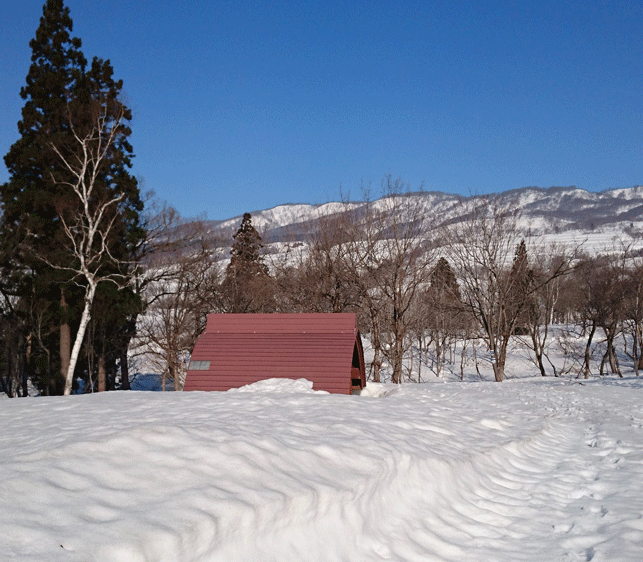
{"x": 288, "y": 386}
{"x": 378, "y": 389}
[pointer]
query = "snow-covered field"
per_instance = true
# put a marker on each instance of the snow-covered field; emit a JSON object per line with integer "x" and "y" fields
{"x": 527, "y": 470}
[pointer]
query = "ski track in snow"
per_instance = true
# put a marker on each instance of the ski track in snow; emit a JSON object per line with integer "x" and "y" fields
{"x": 521, "y": 471}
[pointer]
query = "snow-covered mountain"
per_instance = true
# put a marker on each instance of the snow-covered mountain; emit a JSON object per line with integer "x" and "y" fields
{"x": 550, "y": 211}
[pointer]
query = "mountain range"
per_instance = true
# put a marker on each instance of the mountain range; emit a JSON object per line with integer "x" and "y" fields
{"x": 543, "y": 211}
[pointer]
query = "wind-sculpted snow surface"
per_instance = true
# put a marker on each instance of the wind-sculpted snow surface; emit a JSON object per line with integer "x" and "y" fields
{"x": 521, "y": 471}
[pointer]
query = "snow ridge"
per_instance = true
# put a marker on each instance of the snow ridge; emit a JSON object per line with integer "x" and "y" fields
{"x": 544, "y": 211}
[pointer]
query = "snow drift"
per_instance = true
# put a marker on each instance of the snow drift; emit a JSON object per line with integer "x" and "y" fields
{"x": 528, "y": 470}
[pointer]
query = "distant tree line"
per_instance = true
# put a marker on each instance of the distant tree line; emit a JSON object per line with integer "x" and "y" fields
{"x": 442, "y": 296}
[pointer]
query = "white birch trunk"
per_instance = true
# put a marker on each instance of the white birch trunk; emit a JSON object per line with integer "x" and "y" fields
{"x": 80, "y": 335}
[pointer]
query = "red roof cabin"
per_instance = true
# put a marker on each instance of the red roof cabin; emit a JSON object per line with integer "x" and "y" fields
{"x": 240, "y": 349}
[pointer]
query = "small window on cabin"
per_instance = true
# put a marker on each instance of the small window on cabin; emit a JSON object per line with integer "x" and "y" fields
{"x": 199, "y": 366}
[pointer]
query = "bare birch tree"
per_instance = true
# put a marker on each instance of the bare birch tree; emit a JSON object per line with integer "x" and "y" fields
{"x": 89, "y": 215}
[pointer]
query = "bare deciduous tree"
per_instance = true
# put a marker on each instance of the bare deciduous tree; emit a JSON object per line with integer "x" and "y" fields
{"x": 391, "y": 255}
{"x": 497, "y": 281}
{"x": 481, "y": 250}
{"x": 633, "y": 314}
{"x": 315, "y": 276}
{"x": 541, "y": 306}
{"x": 179, "y": 288}
{"x": 601, "y": 282}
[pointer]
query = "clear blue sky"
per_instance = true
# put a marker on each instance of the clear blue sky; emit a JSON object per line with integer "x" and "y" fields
{"x": 242, "y": 105}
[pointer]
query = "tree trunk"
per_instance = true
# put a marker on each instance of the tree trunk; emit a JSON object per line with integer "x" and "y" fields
{"x": 538, "y": 339}
{"x": 419, "y": 358}
{"x": 588, "y": 349}
{"x": 8, "y": 383}
{"x": 601, "y": 370}
{"x": 102, "y": 373}
{"x": 178, "y": 377}
{"x": 499, "y": 360}
{"x": 462, "y": 356}
{"x": 50, "y": 388}
{"x": 610, "y": 352}
{"x": 65, "y": 343}
{"x": 130, "y": 330}
{"x": 90, "y": 291}
{"x": 376, "y": 365}
{"x": 614, "y": 366}
{"x": 397, "y": 359}
{"x": 639, "y": 336}
{"x": 65, "y": 351}
{"x": 125, "y": 385}
{"x": 498, "y": 370}
{"x": 25, "y": 364}
{"x": 538, "y": 352}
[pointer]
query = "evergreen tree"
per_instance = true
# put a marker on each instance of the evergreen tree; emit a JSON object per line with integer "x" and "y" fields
{"x": 55, "y": 74}
{"x": 247, "y": 287}
{"x": 444, "y": 285}
{"x": 520, "y": 267}
{"x": 519, "y": 289}
{"x": 64, "y": 102}
{"x": 246, "y": 260}
{"x": 444, "y": 310}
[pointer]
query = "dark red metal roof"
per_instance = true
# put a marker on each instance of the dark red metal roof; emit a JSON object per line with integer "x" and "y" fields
{"x": 245, "y": 348}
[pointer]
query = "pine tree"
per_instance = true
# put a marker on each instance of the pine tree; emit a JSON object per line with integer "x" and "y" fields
{"x": 65, "y": 102}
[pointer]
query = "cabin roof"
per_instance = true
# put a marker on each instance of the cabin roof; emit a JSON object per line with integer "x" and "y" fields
{"x": 239, "y": 349}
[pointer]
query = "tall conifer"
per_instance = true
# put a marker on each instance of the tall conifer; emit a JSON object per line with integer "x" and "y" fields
{"x": 246, "y": 258}
{"x": 63, "y": 97}
{"x": 247, "y": 287}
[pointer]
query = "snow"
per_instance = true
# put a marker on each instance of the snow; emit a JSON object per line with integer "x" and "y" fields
{"x": 283, "y": 215}
{"x": 528, "y": 470}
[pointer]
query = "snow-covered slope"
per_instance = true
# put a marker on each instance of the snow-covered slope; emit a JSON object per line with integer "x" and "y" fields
{"x": 528, "y": 470}
{"x": 544, "y": 211}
